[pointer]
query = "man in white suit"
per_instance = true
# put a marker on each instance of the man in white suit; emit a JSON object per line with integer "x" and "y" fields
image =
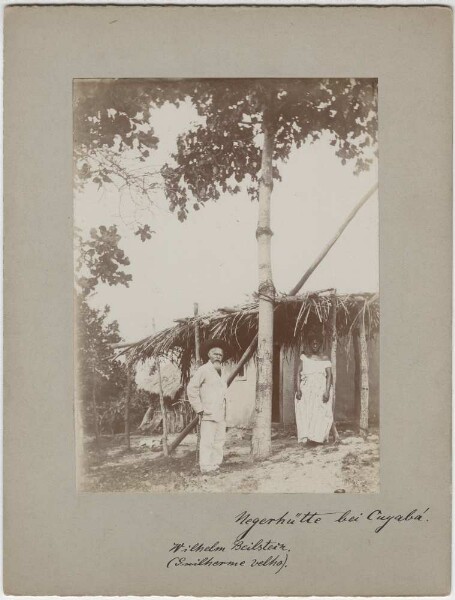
{"x": 207, "y": 395}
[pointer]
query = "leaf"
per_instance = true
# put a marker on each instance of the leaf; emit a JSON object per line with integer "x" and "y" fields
{"x": 99, "y": 260}
{"x": 144, "y": 232}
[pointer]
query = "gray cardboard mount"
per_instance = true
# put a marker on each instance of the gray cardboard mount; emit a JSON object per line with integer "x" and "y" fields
{"x": 59, "y": 542}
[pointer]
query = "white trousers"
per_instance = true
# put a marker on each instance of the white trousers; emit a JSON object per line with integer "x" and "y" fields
{"x": 213, "y": 436}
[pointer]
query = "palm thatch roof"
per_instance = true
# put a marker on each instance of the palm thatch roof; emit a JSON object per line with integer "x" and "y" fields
{"x": 295, "y": 317}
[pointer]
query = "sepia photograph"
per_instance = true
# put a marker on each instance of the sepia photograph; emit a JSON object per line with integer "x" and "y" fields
{"x": 228, "y": 231}
{"x": 226, "y": 285}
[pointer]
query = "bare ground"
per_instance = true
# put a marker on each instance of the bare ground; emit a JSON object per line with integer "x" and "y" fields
{"x": 352, "y": 466}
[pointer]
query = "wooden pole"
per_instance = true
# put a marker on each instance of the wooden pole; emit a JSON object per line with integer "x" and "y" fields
{"x": 364, "y": 383}
{"x": 192, "y": 424}
{"x": 356, "y": 356}
{"x": 129, "y": 377}
{"x": 163, "y": 409}
{"x": 197, "y": 350}
{"x": 197, "y": 342}
{"x": 243, "y": 360}
{"x": 162, "y": 406}
{"x": 333, "y": 360}
{"x": 326, "y": 249}
{"x": 182, "y": 435}
{"x": 295, "y": 290}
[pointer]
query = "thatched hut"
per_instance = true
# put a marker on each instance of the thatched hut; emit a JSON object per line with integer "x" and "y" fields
{"x": 356, "y": 317}
{"x": 178, "y": 413}
{"x": 171, "y": 381}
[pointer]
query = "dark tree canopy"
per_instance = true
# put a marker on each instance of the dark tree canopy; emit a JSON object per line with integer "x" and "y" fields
{"x": 113, "y": 133}
{"x": 109, "y": 113}
{"x": 216, "y": 156}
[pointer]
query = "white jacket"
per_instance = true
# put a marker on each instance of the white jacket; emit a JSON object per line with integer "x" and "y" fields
{"x": 207, "y": 391}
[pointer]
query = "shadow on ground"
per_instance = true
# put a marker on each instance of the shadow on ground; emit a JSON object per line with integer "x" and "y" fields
{"x": 352, "y": 466}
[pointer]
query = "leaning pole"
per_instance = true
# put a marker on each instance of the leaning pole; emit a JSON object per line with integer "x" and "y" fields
{"x": 295, "y": 290}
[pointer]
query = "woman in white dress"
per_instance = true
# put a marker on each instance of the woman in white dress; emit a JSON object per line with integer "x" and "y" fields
{"x": 314, "y": 396}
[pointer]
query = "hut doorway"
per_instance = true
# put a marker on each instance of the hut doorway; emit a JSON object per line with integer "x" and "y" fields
{"x": 276, "y": 397}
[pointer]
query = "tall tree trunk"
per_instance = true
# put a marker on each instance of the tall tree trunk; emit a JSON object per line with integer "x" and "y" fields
{"x": 127, "y": 406}
{"x": 261, "y": 442}
{"x": 247, "y": 355}
{"x": 95, "y": 409}
{"x": 364, "y": 383}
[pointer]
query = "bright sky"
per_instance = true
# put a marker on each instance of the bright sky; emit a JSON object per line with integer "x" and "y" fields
{"x": 211, "y": 258}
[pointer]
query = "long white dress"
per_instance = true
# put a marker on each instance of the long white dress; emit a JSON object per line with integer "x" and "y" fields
{"x": 314, "y": 417}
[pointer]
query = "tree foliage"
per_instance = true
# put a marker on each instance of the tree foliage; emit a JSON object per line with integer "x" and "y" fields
{"x": 109, "y": 115}
{"x": 114, "y": 137}
{"x": 102, "y": 380}
{"x": 98, "y": 373}
{"x": 215, "y": 157}
{"x": 99, "y": 258}
{"x": 99, "y": 370}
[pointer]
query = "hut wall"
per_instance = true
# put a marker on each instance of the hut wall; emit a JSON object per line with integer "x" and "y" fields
{"x": 241, "y": 393}
{"x": 345, "y": 402}
{"x": 240, "y": 397}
